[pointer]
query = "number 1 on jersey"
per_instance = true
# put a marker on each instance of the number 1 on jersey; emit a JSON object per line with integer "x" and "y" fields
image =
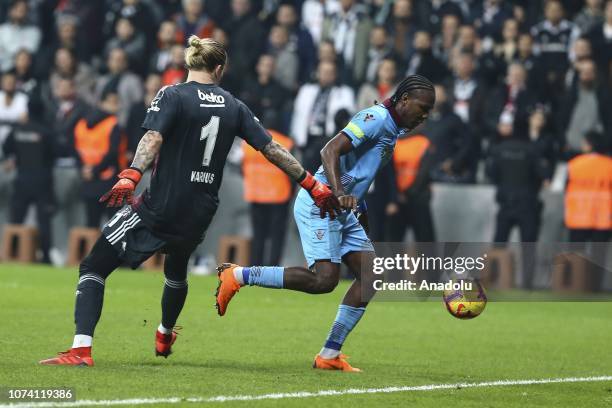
{"x": 209, "y": 133}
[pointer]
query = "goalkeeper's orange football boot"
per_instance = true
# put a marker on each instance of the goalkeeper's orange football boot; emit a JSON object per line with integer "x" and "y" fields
{"x": 227, "y": 288}
{"x": 338, "y": 363}
{"x": 80, "y": 356}
{"x": 164, "y": 342}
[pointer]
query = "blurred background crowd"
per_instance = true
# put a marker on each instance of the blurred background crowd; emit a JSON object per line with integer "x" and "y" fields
{"x": 523, "y": 89}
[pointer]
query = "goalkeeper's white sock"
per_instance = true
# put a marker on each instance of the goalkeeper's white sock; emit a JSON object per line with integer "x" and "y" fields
{"x": 163, "y": 330}
{"x": 82, "y": 340}
{"x": 239, "y": 275}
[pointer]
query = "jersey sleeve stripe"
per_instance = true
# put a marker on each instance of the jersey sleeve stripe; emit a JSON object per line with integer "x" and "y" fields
{"x": 356, "y": 130}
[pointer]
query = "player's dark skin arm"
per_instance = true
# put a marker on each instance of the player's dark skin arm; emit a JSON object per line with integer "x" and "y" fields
{"x": 330, "y": 157}
{"x": 147, "y": 150}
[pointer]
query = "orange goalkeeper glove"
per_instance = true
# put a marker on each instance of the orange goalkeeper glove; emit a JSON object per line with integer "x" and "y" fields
{"x": 123, "y": 189}
{"x": 322, "y": 196}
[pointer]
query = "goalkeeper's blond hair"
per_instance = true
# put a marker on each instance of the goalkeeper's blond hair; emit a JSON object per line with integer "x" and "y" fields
{"x": 204, "y": 54}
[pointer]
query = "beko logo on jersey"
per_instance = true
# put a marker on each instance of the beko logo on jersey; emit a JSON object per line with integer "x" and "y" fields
{"x": 202, "y": 177}
{"x": 217, "y": 101}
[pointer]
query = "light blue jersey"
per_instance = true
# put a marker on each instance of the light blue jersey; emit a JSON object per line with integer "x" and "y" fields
{"x": 373, "y": 133}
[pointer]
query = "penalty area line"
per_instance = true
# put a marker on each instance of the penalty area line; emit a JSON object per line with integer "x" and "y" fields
{"x": 308, "y": 394}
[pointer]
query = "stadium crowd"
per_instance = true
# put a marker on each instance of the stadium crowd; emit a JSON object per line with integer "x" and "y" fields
{"x": 521, "y": 86}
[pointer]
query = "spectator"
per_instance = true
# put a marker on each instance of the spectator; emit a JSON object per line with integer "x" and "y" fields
{"x": 131, "y": 41}
{"x": 96, "y": 139}
{"x": 265, "y": 96}
{"x": 468, "y": 94}
{"x": 66, "y": 36}
{"x": 452, "y": 144}
{"x": 166, "y": 38}
{"x": 553, "y": 38}
{"x": 403, "y": 27}
{"x": 299, "y": 38}
{"x": 585, "y": 108}
{"x": 349, "y": 29}
{"x": 445, "y": 40}
{"x": 433, "y": 12}
{"x": 268, "y": 191}
{"x": 467, "y": 42}
{"x": 129, "y": 86}
{"x": 515, "y": 168}
{"x": 582, "y": 51}
{"x": 246, "y": 38}
{"x": 287, "y": 60}
{"x": 590, "y": 16}
{"x": 410, "y": 203}
{"x": 67, "y": 66}
{"x": 588, "y": 200}
{"x": 13, "y": 104}
{"x": 380, "y": 48}
{"x": 513, "y": 100}
{"x": 386, "y": 81}
{"x": 601, "y": 40}
{"x": 138, "y": 12}
{"x": 315, "y": 108}
{"x": 423, "y": 61}
{"x": 138, "y": 112}
{"x": 507, "y": 49}
{"x": 488, "y": 17}
{"x": 530, "y": 62}
{"x": 313, "y": 16}
{"x": 194, "y": 21}
{"x": 16, "y": 34}
{"x": 27, "y": 82}
{"x": 64, "y": 110}
{"x": 30, "y": 144}
{"x": 175, "y": 71}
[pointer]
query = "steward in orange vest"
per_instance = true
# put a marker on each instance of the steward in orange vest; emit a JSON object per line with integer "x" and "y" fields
{"x": 588, "y": 203}
{"x": 409, "y": 207}
{"x": 588, "y": 197}
{"x": 268, "y": 190}
{"x": 97, "y": 140}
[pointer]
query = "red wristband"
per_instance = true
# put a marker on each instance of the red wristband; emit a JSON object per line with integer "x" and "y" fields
{"x": 131, "y": 173}
{"x": 308, "y": 182}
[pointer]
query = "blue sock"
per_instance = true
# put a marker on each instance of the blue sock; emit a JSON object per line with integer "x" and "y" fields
{"x": 346, "y": 319}
{"x": 265, "y": 276}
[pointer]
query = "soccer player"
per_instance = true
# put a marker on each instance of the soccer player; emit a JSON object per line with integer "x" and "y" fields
{"x": 190, "y": 130}
{"x": 350, "y": 162}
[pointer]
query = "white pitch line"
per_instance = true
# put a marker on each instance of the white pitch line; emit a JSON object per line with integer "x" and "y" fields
{"x": 307, "y": 394}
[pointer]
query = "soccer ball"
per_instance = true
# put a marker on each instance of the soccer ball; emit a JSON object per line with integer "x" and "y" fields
{"x": 466, "y": 303}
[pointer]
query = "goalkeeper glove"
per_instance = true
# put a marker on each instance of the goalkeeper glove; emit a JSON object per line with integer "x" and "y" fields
{"x": 322, "y": 196}
{"x": 123, "y": 189}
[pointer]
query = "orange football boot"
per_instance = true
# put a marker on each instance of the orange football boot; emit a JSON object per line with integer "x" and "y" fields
{"x": 75, "y": 357}
{"x": 338, "y": 363}
{"x": 227, "y": 288}
{"x": 164, "y": 342}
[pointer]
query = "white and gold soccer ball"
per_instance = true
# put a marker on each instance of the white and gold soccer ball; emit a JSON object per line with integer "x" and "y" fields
{"x": 466, "y": 303}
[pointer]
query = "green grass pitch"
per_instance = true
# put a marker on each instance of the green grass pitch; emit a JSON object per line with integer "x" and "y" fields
{"x": 266, "y": 343}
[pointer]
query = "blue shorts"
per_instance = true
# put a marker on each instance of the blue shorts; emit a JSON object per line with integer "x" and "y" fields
{"x": 323, "y": 238}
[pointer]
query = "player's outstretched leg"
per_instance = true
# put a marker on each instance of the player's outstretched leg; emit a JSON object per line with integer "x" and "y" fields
{"x": 349, "y": 312}
{"x": 93, "y": 272}
{"x": 323, "y": 278}
{"x": 173, "y": 300}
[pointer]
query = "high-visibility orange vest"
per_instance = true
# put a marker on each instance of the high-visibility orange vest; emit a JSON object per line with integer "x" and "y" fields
{"x": 588, "y": 198}
{"x": 92, "y": 144}
{"x": 264, "y": 182}
{"x": 407, "y": 158}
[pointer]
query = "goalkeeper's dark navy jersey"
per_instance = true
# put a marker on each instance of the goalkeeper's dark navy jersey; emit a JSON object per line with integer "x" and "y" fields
{"x": 198, "y": 123}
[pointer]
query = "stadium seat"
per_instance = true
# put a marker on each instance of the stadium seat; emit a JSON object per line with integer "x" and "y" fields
{"x": 499, "y": 269}
{"x": 80, "y": 242}
{"x": 571, "y": 273}
{"x": 234, "y": 249}
{"x": 19, "y": 243}
{"x": 154, "y": 263}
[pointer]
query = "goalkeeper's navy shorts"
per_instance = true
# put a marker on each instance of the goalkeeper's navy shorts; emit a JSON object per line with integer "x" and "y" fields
{"x": 134, "y": 242}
